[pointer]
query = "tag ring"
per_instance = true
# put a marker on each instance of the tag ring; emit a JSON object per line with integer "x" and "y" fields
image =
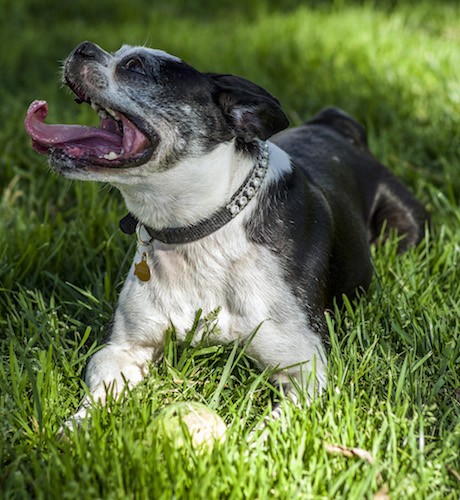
{"x": 140, "y": 241}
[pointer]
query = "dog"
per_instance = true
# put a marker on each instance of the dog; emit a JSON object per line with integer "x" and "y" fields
{"x": 269, "y": 231}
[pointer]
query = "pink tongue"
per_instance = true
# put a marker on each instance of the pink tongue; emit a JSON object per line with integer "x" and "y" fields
{"x": 45, "y": 136}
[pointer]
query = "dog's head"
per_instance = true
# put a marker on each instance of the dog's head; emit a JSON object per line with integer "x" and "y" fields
{"x": 155, "y": 109}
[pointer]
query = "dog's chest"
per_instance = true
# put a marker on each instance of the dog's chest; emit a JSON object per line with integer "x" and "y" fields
{"x": 244, "y": 280}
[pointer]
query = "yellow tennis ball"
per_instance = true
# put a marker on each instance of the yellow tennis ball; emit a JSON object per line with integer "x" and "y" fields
{"x": 203, "y": 425}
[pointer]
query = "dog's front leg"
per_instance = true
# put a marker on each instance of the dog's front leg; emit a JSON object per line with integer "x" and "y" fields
{"x": 136, "y": 339}
{"x": 298, "y": 358}
{"x": 111, "y": 370}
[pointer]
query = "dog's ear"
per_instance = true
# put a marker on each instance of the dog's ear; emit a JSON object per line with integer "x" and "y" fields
{"x": 251, "y": 111}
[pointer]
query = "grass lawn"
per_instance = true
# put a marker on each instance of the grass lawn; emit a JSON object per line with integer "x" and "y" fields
{"x": 394, "y": 377}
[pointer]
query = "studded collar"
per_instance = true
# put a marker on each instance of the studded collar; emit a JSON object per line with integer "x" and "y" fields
{"x": 187, "y": 234}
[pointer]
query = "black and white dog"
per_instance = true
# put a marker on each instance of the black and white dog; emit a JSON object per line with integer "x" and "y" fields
{"x": 270, "y": 232}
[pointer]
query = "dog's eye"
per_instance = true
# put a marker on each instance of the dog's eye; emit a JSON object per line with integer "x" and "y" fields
{"x": 135, "y": 65}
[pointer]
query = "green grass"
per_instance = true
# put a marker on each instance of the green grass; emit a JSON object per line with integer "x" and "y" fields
{"x": 394, "y": 378}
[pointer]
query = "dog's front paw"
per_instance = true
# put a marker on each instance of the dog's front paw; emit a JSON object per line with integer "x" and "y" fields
{"x": 73, "y": 423}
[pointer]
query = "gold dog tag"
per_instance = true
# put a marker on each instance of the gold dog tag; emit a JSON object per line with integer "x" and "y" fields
{"x": 142, "y": 270}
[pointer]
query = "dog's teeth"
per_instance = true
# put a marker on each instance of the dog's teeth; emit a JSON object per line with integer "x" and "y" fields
{"x": 111, "y": 156}
{"x": 95, "y": 107}
{"x": 112, "y": 113}
{"x": 103, "y": 113}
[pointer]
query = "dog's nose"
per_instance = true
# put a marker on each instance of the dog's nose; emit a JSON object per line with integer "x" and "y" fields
{"x": 87, "y": 50}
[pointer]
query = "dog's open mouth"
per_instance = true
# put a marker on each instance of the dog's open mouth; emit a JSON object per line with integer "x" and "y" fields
{"x": 117, "y": 142}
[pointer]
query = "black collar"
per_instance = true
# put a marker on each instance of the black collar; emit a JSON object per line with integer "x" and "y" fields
{"x": 187, "y": 234}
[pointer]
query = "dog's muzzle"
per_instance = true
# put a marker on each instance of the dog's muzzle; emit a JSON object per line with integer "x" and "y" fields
{"x": 120, "y": 140}
{"x": 117, "y": 142}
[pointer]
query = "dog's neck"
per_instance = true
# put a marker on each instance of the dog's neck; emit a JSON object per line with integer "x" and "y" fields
{"x": 189, "y": 192}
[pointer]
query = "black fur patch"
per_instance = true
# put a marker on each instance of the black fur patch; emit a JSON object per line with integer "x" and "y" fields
{"x": 321, "y": 218}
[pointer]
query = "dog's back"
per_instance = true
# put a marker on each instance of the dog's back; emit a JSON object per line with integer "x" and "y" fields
{"x": 337, "y": 200}
{"x": 342, "y": 166}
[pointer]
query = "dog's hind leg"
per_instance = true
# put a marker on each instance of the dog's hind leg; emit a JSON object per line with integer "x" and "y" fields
{"x": 394, "y": 208}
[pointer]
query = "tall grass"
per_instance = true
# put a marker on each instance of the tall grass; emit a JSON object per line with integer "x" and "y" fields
{"x": 394, "y": 379}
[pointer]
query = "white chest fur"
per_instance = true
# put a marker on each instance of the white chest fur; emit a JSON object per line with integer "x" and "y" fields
{"x": 244, "y": 280}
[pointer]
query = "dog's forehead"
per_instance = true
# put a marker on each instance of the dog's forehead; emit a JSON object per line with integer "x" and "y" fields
{"x": 127, "y": 50}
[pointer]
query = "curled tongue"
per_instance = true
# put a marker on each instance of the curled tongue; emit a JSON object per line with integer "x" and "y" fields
{"x": 74, "y": 137}
{"x": 82, "y": 141}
